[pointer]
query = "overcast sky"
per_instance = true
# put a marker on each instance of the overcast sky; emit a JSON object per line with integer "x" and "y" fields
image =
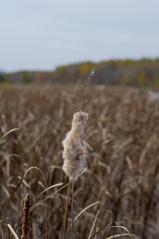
{"x": 43, "y": 34}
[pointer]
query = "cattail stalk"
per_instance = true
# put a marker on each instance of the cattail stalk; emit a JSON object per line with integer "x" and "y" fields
{"x": 66, "y": 210}
{"x": 72, "y": 210}
{"x": 75, "y": 156}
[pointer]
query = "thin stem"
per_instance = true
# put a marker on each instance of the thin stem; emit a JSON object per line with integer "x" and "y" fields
{"x": 72, "y": 210}
{"x": 66, "y": 210}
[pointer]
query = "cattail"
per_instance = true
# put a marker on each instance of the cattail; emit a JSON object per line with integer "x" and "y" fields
{"x": 26, "y": 217}
{"x": 75, "y": 151}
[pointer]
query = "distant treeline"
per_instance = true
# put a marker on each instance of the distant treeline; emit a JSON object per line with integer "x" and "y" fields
{"x": 144, "y": 72}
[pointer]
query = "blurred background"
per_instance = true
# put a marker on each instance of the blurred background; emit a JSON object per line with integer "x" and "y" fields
{"x": 56, "y": 41}
{"x": 46, "y": 48}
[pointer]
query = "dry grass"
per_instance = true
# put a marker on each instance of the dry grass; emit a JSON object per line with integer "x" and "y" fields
{"x": 120, "y": 188}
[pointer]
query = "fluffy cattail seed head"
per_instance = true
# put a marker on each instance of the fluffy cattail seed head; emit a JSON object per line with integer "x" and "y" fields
{"x": 75, "y": 151}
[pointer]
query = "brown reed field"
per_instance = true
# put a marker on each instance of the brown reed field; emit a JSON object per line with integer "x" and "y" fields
{"x": 116, "y": 197}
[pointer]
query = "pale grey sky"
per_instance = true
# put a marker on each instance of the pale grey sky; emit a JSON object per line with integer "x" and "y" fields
{"x": 43, "y": 34}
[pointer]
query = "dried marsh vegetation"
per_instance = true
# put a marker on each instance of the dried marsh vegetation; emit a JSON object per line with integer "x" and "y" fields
{"x": 120, "y": 190}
